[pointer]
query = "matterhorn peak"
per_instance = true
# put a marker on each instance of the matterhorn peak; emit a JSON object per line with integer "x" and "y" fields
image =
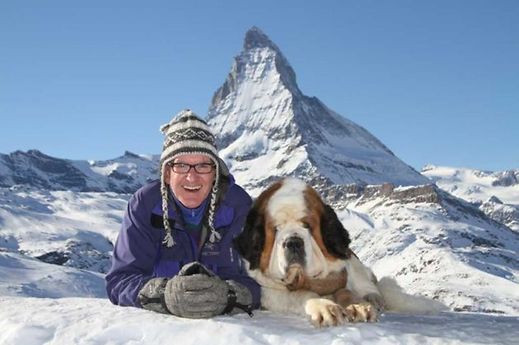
{"x": 267, "y": 128}
{"x": 259, "y": 59}
{"x": 255, "y": 38}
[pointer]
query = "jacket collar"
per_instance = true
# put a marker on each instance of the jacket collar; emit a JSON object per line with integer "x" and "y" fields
{"x": 224, "y": 214}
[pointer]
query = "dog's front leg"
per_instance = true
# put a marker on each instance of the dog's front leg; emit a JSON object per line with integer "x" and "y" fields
{"x": 285, "y": 301}
{"x": 321, "y": 311}
{"x": 362, "y": 282}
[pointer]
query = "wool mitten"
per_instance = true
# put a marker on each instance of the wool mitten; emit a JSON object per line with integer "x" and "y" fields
{"x": 196, "y": 292}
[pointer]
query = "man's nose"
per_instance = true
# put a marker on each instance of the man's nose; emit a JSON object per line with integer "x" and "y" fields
{"x": 191, "y": 174}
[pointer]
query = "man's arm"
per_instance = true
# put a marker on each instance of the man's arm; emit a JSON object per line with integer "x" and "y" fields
{"x": 134, "y": 255}
{"x": 235, "y": 271}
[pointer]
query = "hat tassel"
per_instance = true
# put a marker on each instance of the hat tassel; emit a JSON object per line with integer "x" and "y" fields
{"x": 215, "y": 236}
{"x": 168, "y": 240}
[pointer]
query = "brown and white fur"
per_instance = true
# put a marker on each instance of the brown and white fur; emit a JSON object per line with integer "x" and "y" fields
{"x": 297, "y": 250}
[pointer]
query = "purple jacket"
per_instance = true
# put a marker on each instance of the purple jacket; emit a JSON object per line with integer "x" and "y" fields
{"x": 139, "y": 254}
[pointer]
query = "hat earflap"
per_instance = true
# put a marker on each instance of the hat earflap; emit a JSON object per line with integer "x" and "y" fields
{"x": 168, "y": 239}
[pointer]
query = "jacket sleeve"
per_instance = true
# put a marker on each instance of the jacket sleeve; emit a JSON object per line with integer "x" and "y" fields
{"x": 134, "y": 254}
{"x": 237, "y": 270}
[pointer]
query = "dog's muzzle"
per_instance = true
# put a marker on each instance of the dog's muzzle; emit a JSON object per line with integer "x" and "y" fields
{"x": 294, "y": 248}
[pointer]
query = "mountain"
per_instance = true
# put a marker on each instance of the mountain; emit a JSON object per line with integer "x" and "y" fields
{"x": 494, "y": 193}
{"x": 267, "y": 128}
{"x": 436, "y": 245}
{"x": 124, "y": 174}
{"x": 67, "y": 228}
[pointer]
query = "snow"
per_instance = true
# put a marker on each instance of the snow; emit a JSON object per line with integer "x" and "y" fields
{"x": 472, "y": 185}
{"x": 48, "y": 304}
{"x": 482, "y": 188}
{"x": 23, "y": 276}
{"x": 122, "y": 174}
{"x": 82, "y": 225}
{"x": 439, "y": 251}
{"x": 95, "y": 321}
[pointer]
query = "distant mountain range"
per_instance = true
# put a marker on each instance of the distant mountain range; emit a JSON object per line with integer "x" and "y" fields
{"x": 124, "y": 174}
{"x": 451, "y": 234}
{"x": 494, "y": 193}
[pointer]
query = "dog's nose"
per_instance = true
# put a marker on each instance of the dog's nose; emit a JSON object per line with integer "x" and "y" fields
{"x": 294, "y": 243}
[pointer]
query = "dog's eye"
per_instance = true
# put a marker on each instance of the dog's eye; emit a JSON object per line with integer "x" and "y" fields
{"x": 306, "y": 225}
{"x": 276, "y": 229}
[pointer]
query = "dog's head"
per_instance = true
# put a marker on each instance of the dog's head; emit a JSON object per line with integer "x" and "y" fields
{"x": 289, "y": 225}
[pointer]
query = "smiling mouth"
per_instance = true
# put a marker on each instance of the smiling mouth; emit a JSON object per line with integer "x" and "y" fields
{"x": 192, "y": 188}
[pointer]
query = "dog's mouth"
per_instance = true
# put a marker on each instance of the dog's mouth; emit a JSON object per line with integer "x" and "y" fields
{"x": 295, "y": 257}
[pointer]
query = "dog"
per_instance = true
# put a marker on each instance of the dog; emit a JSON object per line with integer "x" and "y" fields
{"x": 295, "y": 247}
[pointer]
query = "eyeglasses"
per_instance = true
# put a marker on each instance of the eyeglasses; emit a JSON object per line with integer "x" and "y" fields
{"x": 184, "y": 168}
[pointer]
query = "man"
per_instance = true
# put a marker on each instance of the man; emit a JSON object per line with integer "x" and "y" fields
{"x": 174, "y": 251}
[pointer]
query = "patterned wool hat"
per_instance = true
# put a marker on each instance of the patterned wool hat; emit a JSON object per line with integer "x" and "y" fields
{"x": 186, "y": 133}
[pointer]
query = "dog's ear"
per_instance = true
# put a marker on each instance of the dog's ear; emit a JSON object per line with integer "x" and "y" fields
{"x": 252, "y": 239}
{"x": 336, "y": 238}
{"x": 251, "y": 242}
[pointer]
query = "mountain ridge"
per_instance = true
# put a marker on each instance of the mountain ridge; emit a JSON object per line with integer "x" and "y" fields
{"x": 262, "y": 118}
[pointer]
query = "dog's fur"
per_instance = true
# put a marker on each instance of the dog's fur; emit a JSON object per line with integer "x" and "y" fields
{"x": 296, "y": 248}
{"x": 298, "y": 251}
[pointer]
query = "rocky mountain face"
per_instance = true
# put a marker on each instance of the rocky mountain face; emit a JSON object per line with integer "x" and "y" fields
{"x": 494, "y": 193}
{"x": 503, "y": 213}
{"x": 124, "y": 174}
{"x": 267, "y": 128}
{"x": 436, "y": 245}
{"x": 67, "y": 228}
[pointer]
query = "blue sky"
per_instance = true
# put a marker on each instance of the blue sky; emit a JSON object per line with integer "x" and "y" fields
{"x": 436, "y": 81}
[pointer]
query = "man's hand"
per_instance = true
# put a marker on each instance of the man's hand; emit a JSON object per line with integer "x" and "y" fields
{"x": 196, "y": 292}
{"x": 196, "y": 296}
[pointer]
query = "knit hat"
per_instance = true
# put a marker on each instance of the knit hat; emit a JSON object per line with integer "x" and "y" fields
{"x": 186, "y": 133}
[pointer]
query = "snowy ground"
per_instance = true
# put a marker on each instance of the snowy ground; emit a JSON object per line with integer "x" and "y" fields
{"x": 95, "y": 321}
{"x": 42, "y": 303}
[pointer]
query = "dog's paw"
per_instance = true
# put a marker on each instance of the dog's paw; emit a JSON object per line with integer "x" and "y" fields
{"x": 362, "y": 312}
{"x": 376, "y": 301}
{"x": 325, "y": 313}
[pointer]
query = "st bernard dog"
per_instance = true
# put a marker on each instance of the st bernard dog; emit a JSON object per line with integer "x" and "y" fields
{"x": 298, "y": 251}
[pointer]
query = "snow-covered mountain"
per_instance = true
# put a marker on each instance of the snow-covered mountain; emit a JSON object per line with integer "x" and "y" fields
{"x": 124, "y": 174}
{"x": 436, "y": 245}
{"x": 74, "y": 229}
{"x": 495, "y": 193}
{"x": 268, "y": 128}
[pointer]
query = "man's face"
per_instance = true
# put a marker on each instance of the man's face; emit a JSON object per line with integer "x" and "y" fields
{"x": 190, "y": 188}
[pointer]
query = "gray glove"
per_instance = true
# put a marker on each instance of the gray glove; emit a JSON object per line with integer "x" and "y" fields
{"x": 151, "y": 296}
{"x": 195, "y": 292}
